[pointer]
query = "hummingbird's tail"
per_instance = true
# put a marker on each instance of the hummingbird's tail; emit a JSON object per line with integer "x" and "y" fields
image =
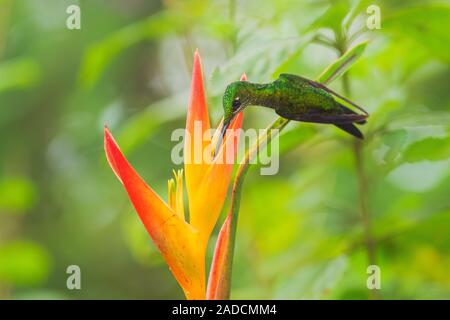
{"x": 350, "y": 128}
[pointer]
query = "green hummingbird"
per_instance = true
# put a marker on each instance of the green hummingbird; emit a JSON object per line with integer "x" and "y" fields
{"x": 294, "y": 98}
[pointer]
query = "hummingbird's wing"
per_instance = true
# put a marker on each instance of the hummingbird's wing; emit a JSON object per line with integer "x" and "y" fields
{"x": 299, "y": 81}
{"x": 321, "y": 86}
{"x": 341, "y": 116}
{"x": 320, "y": 116}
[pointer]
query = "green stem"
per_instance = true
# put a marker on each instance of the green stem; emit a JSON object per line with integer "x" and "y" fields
{"x": 271, "y": 131}
{"x": 346, "y": 84}
{"x": 362, "y": 194}
{"x": 364, "y": 210}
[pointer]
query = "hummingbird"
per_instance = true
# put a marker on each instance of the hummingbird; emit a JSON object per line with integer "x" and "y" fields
{"x": 294, "y": 98}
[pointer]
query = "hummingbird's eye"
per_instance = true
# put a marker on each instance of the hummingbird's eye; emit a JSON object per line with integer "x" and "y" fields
{"x": 236, "y": 103}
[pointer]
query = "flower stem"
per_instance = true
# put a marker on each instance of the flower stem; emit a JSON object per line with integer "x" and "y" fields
{"x": 271, "y": 131}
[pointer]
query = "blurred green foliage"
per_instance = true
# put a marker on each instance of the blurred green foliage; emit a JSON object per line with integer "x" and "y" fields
{"x": 16, "y": 195}
{"x": 301, "y": 232}
{"x": 23, "y": 263}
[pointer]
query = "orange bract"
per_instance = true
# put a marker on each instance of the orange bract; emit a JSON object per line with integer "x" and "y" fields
{"x": 182, "y": 244}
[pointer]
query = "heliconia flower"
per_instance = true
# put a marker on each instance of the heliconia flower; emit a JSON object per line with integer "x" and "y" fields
{"x": 182, "y": 243}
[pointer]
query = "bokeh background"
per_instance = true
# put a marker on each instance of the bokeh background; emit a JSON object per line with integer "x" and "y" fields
{"x": 308, "y": 232}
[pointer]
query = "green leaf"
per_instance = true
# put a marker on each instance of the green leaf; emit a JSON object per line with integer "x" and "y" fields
{"x": 341, "y": 65}
{"x": 433, "y": 149}
{"x": 426, "y": 25}
{"x": 333, "y": 17}
{"x": 283, "y": 67}
{"x": 259, "y": 59}
{"x": 99, "y": 55}
{"x": 142, "y": 126}
{"x": 395, "y": 140}
{"x": 421, "y": 176}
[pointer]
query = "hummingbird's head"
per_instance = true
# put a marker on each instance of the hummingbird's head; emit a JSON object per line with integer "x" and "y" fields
{"x": 233, "y": 102}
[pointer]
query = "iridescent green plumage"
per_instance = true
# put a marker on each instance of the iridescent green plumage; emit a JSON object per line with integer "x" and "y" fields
{"x": 294, "y": 98}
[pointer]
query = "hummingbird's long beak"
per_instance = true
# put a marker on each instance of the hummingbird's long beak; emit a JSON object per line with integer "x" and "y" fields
{"x": 221, "y": 136}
